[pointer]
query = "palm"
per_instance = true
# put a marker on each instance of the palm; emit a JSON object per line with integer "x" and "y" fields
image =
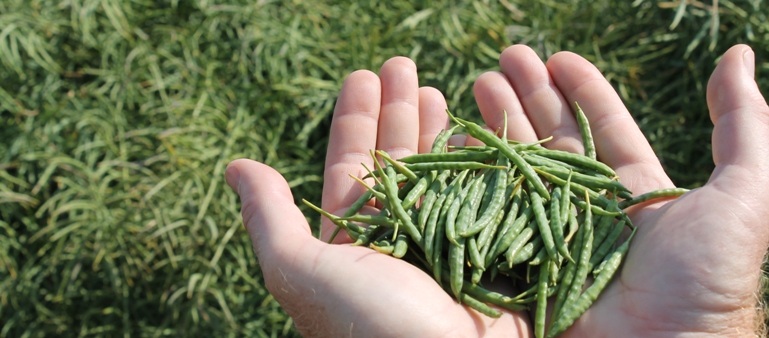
{"x": 674, "y": 274}
{"x": 388, "y": 297}
{"x": 692, "y": 268}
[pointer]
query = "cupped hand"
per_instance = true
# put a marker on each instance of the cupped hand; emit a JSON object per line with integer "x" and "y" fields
{"x": 693, "y": 268}
{"x": 338, "y": 290}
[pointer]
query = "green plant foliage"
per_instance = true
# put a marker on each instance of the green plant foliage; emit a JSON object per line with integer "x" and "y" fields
{"x": 117, "y": 119}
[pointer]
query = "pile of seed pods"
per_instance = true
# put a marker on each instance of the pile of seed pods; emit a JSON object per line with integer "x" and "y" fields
{"x": 546, "y": 219}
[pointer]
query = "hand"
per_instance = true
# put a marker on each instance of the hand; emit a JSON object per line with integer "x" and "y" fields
{"x": 340, "y": 290}
{"x": 693, "y": 267}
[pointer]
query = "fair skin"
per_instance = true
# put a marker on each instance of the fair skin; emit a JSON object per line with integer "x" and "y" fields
{"x": 693, "y": 268}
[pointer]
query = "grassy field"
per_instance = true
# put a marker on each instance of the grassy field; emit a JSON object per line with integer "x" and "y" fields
{"x": 117, "y": 119}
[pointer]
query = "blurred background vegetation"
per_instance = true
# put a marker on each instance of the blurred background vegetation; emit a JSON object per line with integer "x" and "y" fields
{"x": 118, "y": 117}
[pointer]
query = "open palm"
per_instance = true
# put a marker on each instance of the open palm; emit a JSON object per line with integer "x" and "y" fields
{"x": 693, "y": 267}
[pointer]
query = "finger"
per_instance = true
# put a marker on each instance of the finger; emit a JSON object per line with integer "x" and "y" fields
{"x": 352, "y": 134}
{"x": 288, "y": 255}
{"x": 741, "y": 126}
{"x": 458, "y": 140}
{"x": 618, "y": 140}
{"x": 494, "y": 96}
{"x": 432, "y": 117}
{"x": 549, "y": 113}
{"x": 276, "y": 226}
{"x": 398, "y": 132}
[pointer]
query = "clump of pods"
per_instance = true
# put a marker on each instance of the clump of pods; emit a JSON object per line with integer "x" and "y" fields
{"x": 543, "y": 219}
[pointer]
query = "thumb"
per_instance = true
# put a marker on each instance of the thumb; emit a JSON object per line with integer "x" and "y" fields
{"x": 279, "y": 232}
{"x": 741, "y": 127}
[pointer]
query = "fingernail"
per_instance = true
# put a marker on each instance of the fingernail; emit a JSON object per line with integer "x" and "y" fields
{"x": 749, "y": 58}
{"x": 232, "y": 176}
